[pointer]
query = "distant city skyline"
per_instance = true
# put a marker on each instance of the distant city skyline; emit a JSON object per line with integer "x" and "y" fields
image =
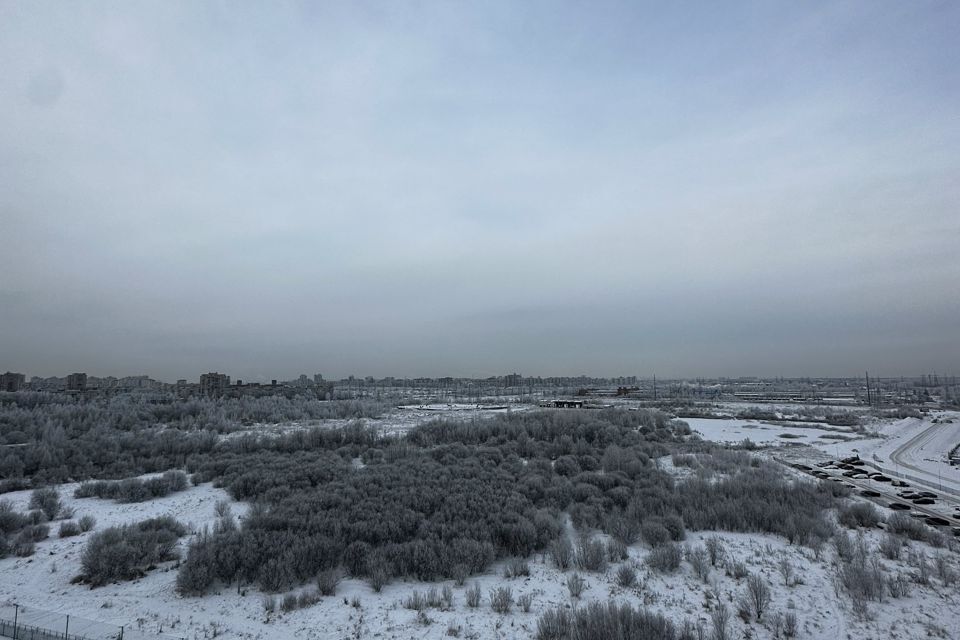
{"x": 468, "y": 189}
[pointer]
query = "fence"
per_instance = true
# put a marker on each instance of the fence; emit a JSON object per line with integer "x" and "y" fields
{"x": 29, "y": 623}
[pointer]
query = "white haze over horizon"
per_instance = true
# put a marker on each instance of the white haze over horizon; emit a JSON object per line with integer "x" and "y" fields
{"x": 433, "y": 188}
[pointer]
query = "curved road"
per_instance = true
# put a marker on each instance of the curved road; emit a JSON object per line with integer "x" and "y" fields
{"x": 945, "y": 483}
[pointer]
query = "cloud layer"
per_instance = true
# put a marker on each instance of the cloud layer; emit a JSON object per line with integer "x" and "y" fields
{"x": 439, "y": 188}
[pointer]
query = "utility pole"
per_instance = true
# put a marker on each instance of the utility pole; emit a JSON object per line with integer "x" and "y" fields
{"x": 869, "y": 399}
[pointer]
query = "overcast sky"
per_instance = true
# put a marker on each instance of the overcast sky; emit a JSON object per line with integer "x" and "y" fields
{"x": 453, "y": 188}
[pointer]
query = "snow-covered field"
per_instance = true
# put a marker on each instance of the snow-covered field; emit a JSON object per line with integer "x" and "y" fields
{"x": 395, "y": 422}
{"x": 151, "y": 605}
{"x": 735, "y": 431}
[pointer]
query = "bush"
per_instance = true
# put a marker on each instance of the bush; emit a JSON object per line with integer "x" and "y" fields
{"x": 46, "y": 500}
{"x": 561, "y": 552}
{"x": 289, "y": 603}
{"x": 327, "y": 582}
{"x": 859, "y": 514}
{"x": 501, "y": 599}
{"x": 891, "y": 545}
{"x": 626, "y": 576}
{"x": 790, "y": 624}
{"x": 699, "y": 560}
{"x": 379, "y": 578}
{"x": 125, "y": 553}
{"x": 610, "y": 621}
{"x": 617, "y": 551}
{"x": 269, "y": 604}
{"x": 665, "y": 558}
{"x": 134, "y": 489}
{"x": 737, "y": 570}
{"x": 87, "y": 523}
{"x": 69, "y": 528}
{"x": 516, "y": 568}
{"x": 902, "y": 524}
{"x": 525, "y": 601}
{"x": 591, "y": 555}
{"x": 654, "y": 533}
{"x": 472, "y": 596}
{"x": 720, "y": 620}
{"x": 576, "y": 585}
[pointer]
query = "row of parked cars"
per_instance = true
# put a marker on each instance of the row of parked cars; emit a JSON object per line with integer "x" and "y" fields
{"x": 854, "y": 469}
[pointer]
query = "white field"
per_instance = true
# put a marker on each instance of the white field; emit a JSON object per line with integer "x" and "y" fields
{"x": 150, "y": 604}
{"x": 735, "y": 431}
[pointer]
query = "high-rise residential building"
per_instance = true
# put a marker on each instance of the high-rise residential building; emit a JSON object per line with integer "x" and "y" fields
{"x": 11, "y": 381}
{"x": 214, "y": 384}
{"x": 77, "y": 382}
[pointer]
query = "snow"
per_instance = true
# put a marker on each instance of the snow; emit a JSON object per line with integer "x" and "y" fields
{"x": 151, "y": 604}
{"x": 735, "y": 431}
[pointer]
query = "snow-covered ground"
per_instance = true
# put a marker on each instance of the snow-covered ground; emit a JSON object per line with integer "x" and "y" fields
{"x": 150, "y": 604}
{"x": 395, "y": 422}
{"x": 735, "y": 431}
{"x": 916, "y": 448}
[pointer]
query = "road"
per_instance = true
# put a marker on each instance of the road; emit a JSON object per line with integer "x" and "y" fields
{"x": 931, "y": 444}
{"x": 888, "y": 494}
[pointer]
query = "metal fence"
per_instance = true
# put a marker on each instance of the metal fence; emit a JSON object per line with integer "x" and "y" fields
{"x": 29, "y": 623}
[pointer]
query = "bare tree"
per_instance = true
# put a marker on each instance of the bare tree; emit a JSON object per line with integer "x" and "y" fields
{"x": 786, "y": 570}
{"x": 758, "y": 593}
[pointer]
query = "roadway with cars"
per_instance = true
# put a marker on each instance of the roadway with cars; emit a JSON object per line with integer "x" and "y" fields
{"x": 887, "y": 492}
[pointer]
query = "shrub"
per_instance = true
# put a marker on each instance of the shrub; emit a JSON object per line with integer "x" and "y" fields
{"x": 415, "y": 601}
{"x": 525, "y": 601}
{"x": 501, "y": 599}
{"x": 790, "y": 624}
{"x": 902, "y": 524}
{"x": 891, "y": 545}
{"x": 654, "y": 533}
{"x": 124, "y": 553}
{"x": 472, "y": 596}
{"x": 715, "y": 550}
{"x": 289, "y": 602}
{"x": 737, "y": 570}
{"x": 591, "y": 555}
{"x": 23, "y": 548}
{"x": 617, "y": 551}
{"x": 34, "y": 533}
{"x": 665, "y": 558}
{"x": 859, "y": 514}
{"x": 699, "y": 560}
{"x": 561, "y": 552}
{"x": 87, "y": 523}
{"x": 46, "y": 500}
{"x": 379, "y": 578}
{"x": 626, "y": 576}
{"x": 720, "y": 621}
{"x": 610, "y": 621}
{"x": 69, "y": 528}
{"x": 516, "y": 568}
{"x": 307, "y": 599}
{"x": 576, "y": 585}
{"x": 327, "y": 582}
{"x": 269, "y": 604}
